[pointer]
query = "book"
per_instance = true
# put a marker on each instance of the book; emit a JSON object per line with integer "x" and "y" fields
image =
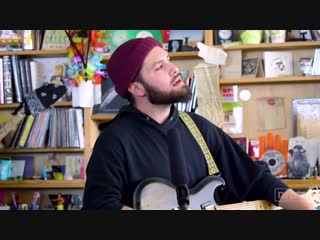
{"x": 28, "y": 75}
{"x": 278, "y": 63}
{"x": 17, "y": 134}
{"x": 1, "y": 82}
{"x": 304, "y": 66}
{"x": 7, "y": 80}
{"x": 23, "y": 80}
{"x": 55, "y": 39}
{"x": 233, "y": 66}
{"x": 111, "y": 102}
{"x": 26, "y": 130}
{"x": 16, "y": 78}
{"x": 29, "y": 165}
{"x": 250, "y": 67}
{"x": 229, "y": 93}
{"x": 243, "y": 142}
{"x": 233, "y": 117}
{"x": 10, "y": 40}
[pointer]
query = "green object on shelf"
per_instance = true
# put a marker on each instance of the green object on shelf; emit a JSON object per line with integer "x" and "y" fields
{"x": 114, "y": 38}
{"x": 251, "y": 37}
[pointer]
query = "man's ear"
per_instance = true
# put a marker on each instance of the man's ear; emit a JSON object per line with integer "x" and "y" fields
{"x": 136, "y": 89}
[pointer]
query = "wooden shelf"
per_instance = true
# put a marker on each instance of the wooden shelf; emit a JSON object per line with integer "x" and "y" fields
{"x": 273, "y": 46}
{"x": 37, "y": 53}
{"x": 173, "y": 55}
{"x": 297, "y": 183}
{"x": 278, "y": 80}
{"x": 41, "y": 150}
{"x": 78, "y": 183}
{"x": 102, "y": 117}
{"x": 15, "y": 105}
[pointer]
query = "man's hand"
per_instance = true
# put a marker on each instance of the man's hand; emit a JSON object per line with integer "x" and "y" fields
{"x": 290, "y": 200}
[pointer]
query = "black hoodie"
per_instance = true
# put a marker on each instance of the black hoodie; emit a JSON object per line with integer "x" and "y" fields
{"x": 133, "y": 147}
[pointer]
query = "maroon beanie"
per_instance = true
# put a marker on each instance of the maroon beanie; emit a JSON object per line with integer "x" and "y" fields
{"x": 127, "y": 60}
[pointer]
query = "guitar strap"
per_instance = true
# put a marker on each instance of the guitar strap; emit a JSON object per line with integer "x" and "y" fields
{"x": 213, "y": 169}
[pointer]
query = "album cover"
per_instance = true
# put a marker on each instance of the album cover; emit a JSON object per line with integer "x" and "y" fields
{"x": 111, "y": 102}
{"x": 250, "y": 67}
{"x": 278, "y": 63}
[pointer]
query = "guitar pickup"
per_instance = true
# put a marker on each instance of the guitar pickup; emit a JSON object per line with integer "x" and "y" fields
{"x": 206, "y": 205}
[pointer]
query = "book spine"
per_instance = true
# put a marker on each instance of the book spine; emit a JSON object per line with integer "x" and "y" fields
{"x": 1, "y": 82}
{"x": 7, "y": 80}
{"x": 23, "y": 78}
{"x": 16, "y": 78}
{"x": 28, "y": 75}
{"x": 26, "y": 131}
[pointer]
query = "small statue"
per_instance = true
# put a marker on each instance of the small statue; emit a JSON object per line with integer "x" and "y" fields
{"x": 34, "y": 205}
{"x": 16, "y": 202}
{"x": 298, "y": 165}
{"x": 59, "y": 201}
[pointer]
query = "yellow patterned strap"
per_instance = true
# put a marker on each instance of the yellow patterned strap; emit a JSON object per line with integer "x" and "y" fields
{"x": 213, "y": 169}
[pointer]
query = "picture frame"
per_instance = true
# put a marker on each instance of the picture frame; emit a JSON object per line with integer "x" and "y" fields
{"x": 250, "y": 67}
{"x": 175, "y": 45}
{"x": 305, "y": 66}
{"x": 111, "y": 102}
{"x": 189, "y": 38}
{"x": 306, "y": 117}
{"x": 54, "y": 40}
{"x": 224, "y": 36}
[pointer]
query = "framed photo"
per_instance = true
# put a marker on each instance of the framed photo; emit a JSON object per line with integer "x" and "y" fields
{"x": 175, "y": 45}
{"x": 111, "y": 102}
{"x": 224, "y": 36}
{"x": 55, "y": 39}
{"x": 304, "y": 66}
{"x": 306, "y": 117}
{"x": 189, "y": 38}
{"x": 250, "y": 67}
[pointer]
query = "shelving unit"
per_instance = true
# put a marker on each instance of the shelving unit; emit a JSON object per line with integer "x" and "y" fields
{"x": 290, "y": 87}
{"x": 27, "y": 187}
{"x": 295, "y": 86}
{"x": 302, "y": 184}
{"x": 277, "y": 80}
{"x": 37, "y": 53}
{"x": 42, "y": 184}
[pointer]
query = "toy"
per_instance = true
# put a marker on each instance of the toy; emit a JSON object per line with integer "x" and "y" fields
{"x": 34, "y": 205}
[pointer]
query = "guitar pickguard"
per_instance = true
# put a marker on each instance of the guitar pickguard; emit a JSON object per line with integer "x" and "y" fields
{"x": 160, "y": 194}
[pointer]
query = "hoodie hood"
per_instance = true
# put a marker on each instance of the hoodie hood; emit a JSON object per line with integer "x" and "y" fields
{"x": 132, "y": 112}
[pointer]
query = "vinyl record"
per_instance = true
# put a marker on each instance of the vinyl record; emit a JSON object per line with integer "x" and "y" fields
{"x": 275, "y": 161}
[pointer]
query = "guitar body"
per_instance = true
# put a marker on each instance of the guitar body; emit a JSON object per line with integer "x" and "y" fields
{"x": 160, "y": 194}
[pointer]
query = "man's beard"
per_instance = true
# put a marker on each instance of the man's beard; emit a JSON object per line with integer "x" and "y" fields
{"x": 157, "y": 96}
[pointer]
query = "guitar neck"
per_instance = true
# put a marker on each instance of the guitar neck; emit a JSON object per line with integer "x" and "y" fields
{"x": 11, "y": 124}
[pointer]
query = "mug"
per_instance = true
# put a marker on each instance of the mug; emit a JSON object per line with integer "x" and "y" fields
{"x": 278, "y": 36}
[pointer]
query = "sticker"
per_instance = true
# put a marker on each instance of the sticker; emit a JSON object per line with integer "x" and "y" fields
{"x": 245, "y": 95}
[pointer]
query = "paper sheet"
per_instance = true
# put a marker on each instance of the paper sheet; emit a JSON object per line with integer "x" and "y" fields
{"x": 212, "y": 55}
{"x": 208, "y": 93}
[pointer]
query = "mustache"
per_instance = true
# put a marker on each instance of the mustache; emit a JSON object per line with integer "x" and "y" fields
{"x": 179, "y": 75}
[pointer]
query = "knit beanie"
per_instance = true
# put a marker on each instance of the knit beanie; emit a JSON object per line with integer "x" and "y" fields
{"x": 126, "y": 61}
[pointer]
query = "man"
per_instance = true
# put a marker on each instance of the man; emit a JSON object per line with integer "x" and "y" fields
{"x": 134, "y": 145}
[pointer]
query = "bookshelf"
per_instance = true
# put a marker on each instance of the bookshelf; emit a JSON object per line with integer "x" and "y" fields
{"x": 36, "y": 53}
{"x": 25, "y": 188}
{"x": 295, "y": 86}
{"x": 42, "y": 184}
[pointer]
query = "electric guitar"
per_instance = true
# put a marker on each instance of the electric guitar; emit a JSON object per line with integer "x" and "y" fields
{"x": 160, "y": 194}
{"x": 39, "y": 100}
